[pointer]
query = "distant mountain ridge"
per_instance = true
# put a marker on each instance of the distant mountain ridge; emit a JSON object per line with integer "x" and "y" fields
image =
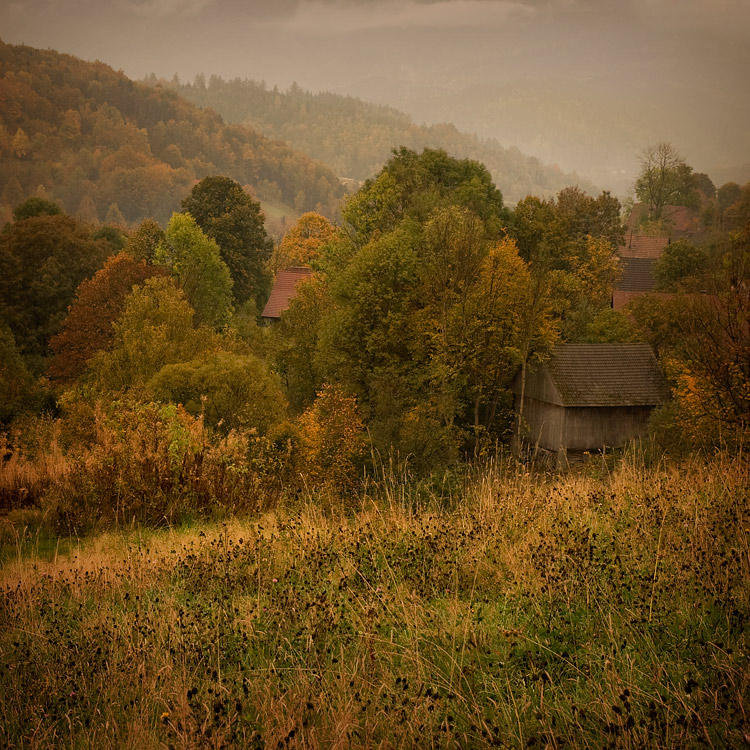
{"x": 355, "y": 138}
{"x": 109, "y": 148}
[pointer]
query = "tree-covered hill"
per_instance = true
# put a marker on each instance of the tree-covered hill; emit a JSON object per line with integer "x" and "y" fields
{"x": 111, "y": 148}
{"x": 356, "y": 138}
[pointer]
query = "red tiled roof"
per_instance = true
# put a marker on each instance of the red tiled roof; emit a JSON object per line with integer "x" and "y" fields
{"x": 642, "y": 246}
{"x": 621, "y": 298}
{"x": 284, "y": 290}
{"x": 637, "y": 275}
{"x": 680, "y": 219}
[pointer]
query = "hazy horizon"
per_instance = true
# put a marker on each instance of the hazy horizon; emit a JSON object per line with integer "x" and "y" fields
{"x": 582, "y": 84}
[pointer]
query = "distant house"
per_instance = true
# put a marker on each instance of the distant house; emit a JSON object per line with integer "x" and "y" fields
{"x": 683, "y": 222}
{"x": 590, "y": 396}
{"x": 637, "y": 278}
{"x": 284, "y": 291}
{"x": 678, "y": 222}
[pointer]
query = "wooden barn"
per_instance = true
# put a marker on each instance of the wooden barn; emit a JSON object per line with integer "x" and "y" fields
{"x": 590, "y": 396}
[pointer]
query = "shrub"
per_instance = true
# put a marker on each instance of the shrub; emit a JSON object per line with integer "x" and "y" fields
{"x": 332, "y": 439}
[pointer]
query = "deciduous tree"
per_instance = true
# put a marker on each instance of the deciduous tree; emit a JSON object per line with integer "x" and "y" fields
{"x": 230, "y": 391}
{"x": 704, "y": 339}
{"x": 155, "y": 329}
{"x": 332, "y": 437}
{"x": 35, "y": 206}
{"x": 682, "y": 265}
{"x": 19, "y": 391}
{"x": 665, "y": 179}
{"x": 302, "y": 243}
{"x": 44, "y": 259}
{"x": 227, "y": 214}
{"x": 98, "y": 304}
{"x": 196, "y": 262}
{"x": 142, "y": 243}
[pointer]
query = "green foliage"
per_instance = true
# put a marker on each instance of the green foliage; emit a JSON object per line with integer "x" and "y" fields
{"x": 113, "y": 236}
{"x": 682, "y": 265}
{"x": 227, "y": 214}
{"x": 229, "y": 391}
{"x": 154, "y": 330}
{"x": 35, "y": 206}
{"x": 295, "y": 339}
{"x": 368, "y": 341}
{"x": 19, "y": 392}
{"x": 570, "y": 244}
{"x": 142, "y": 243}
{"x": 244, "y": 325}
{"x": 412, "y": 185}
{"x": 99, "y": 302}
{"x": 609, "y": 326}
{"x": 428, "y": 312}
{"x": 44, "y": 259}
{"x": 196, "y": 262}
{"x": 704, "y": 184}
{"x": 665, "y": 179}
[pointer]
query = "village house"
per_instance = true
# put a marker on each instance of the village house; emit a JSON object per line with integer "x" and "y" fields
{"x": 284, "y": 291}
{"x": 588, "y": 397}
{"x": 639, "y": 251}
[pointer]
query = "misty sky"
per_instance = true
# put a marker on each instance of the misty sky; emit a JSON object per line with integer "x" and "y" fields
{"x": 627, "y": 71}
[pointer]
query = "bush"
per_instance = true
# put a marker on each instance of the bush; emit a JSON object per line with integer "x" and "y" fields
{"x": 154, "y": 464}
{"x": 332, "y": 440}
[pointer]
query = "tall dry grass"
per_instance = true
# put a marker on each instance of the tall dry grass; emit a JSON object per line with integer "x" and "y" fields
{"x": 601, "y": 608}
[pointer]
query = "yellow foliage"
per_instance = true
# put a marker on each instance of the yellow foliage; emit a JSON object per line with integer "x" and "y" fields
{"x": 302, "y": 243}
{"x": 332, "y": 438}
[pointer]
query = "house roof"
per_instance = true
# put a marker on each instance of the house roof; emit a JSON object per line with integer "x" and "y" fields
{"x": 637, "y": 275}
{"x": 642, "y": 246}
{"x": 681, "y": 219}
{"x": 284, "y": 290}
{"x": 607, "y": 375}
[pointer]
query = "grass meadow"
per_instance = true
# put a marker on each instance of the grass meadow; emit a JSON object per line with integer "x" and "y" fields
{"x": 604, "y": 607}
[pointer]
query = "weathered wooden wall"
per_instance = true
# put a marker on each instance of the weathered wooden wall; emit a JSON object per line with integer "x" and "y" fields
{"x": 554, "y": 427}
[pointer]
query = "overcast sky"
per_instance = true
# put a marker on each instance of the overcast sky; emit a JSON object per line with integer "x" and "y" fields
{"x": 680, "y": 60}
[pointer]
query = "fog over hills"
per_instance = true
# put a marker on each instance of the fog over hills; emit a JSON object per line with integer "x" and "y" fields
{"x": 581, "y": 84}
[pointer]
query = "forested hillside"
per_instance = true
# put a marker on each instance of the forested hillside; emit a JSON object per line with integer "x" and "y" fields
{"x": 355, "y": 138}
{"x": 112, "y": 149}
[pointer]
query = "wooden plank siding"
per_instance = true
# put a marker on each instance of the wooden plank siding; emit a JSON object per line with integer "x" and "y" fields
{"x": 591, "y": 396}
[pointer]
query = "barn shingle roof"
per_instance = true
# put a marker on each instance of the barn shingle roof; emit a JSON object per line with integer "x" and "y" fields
{"x": 637, "y": 275}
{"x": 607, "y": 375}
{"x": 284, "y": 290}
